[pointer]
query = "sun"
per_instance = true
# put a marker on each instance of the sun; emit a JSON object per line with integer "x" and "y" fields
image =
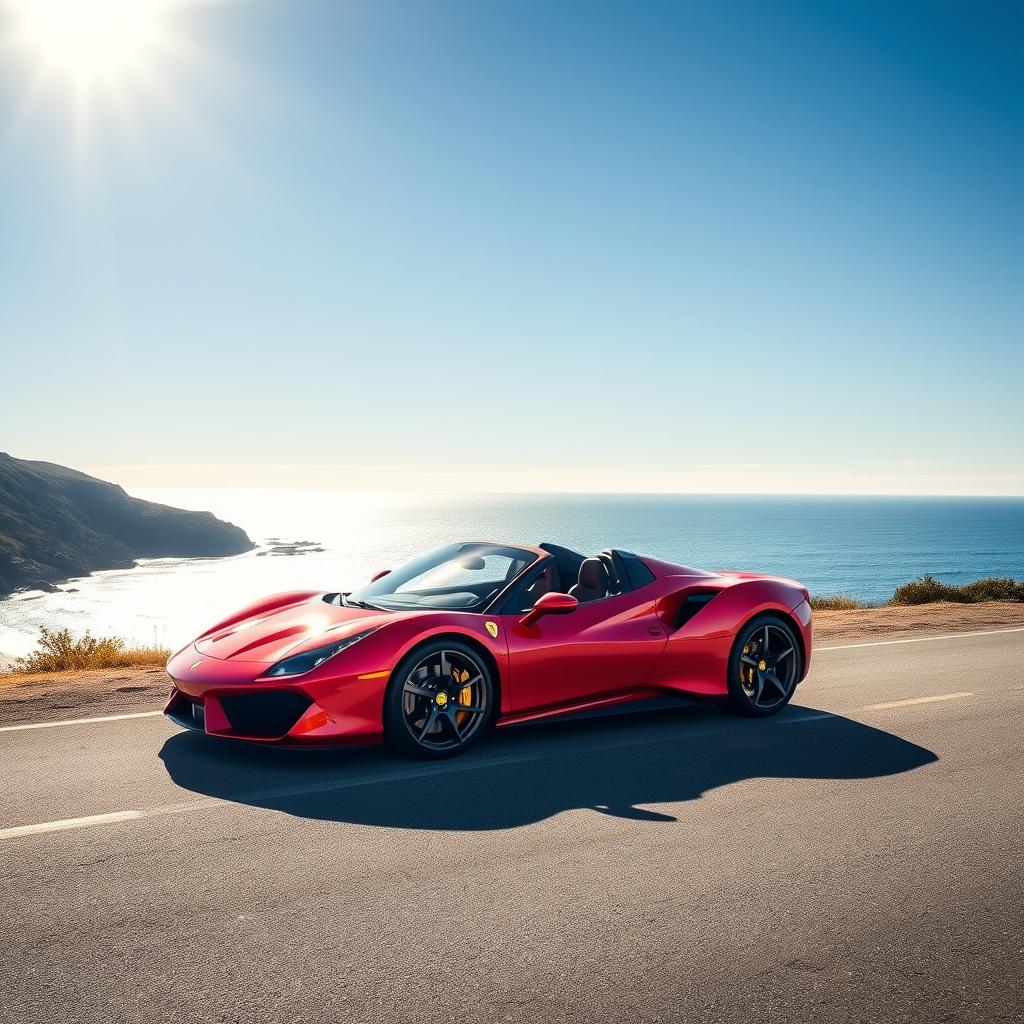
{"x": 90, "y": 42}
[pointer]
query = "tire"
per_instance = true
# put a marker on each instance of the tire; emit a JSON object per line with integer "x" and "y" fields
{"x": 440, "y": 700}
{"x": 760, "y": 684}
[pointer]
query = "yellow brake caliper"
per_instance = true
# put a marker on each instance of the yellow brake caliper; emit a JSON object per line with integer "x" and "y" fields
{"x": 465, "y": 694}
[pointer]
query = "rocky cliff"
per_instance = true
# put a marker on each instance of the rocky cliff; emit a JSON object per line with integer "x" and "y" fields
{"x": 56, "y": 523}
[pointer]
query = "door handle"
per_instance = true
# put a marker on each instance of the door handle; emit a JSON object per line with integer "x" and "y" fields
{"x": 655, "y": 631}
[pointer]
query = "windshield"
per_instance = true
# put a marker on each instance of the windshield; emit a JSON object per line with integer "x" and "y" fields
{"x": 463, "y": 577}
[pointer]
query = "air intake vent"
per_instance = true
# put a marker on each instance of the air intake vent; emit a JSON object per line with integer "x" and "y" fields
{"x": 694, "y": 603}
{"x": 265, "y": 715}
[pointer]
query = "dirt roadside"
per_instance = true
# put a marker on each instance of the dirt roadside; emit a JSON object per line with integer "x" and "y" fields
{"x": 58, "y": 695}
{"x": 896, "y": 622}
{"x": 51, "y": 696}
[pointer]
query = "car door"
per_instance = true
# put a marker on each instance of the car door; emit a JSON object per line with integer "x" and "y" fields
{"x": 602, "y": 647}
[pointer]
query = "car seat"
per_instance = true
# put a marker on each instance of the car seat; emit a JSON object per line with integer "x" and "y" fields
{"x": 593, "y": 582}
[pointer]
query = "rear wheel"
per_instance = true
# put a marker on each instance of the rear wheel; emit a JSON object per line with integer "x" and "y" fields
{"x": 764, "y": 667}
{"x": 439, "y": 701}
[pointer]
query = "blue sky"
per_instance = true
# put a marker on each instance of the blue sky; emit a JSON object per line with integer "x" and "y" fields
{"x": 552, "y": 245}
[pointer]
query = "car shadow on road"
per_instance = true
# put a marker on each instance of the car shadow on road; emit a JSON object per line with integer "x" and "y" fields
{"x": 616, "y": 766}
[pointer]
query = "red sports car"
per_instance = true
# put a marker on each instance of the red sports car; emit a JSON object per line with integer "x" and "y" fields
{"x": 428, "y": 656}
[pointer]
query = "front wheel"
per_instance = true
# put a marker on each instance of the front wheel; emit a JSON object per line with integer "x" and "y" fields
{"x": 440, "y": 700}
{"x": 764, "y": 667}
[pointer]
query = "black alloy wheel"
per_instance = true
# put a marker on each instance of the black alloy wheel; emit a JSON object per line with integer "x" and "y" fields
{"x": 764, "y": 667}
{"x": 440, "y": 699}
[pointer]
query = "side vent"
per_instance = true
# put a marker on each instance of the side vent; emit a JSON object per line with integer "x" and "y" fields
{"x": 693, "y": 604}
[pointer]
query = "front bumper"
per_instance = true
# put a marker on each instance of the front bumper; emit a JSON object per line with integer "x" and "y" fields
{"x": 228, "y": 699}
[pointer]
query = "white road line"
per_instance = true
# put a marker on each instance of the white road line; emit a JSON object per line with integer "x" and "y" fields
{"x": 277, "y": 793}
{"x": 79, "y": 721}
{"x": 918, "y": 639}
{"x": 284, "y": 792}
{"x": 917, "y": 700}
{"x": 68, "y": 823}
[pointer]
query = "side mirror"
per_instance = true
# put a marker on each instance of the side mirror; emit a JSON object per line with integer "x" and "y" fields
{"x": 551, "y": 603}
{"x": 377, "y": 575}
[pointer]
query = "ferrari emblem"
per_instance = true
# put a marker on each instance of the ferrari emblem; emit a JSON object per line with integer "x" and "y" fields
{"x": 492, "y": 628}
{"x": 195, "y": 664}
{"x": 442, "y": 699}
{"x": 762, "y": 664}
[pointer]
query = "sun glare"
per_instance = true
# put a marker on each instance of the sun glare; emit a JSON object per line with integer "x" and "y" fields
{"x": 89, "y": 42}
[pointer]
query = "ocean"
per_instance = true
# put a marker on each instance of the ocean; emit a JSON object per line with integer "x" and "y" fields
{"x": 864, "y": 547}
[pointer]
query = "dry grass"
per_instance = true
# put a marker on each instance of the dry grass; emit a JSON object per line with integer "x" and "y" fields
{"x": 836, "y": 603}
{"x": 61, "y": 652}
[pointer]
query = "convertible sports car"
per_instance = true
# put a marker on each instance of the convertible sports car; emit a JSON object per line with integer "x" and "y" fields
{"x": 428, "y": 656}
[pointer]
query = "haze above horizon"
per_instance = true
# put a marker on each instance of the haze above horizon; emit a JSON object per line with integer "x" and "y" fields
{"x": 515, "y": 246}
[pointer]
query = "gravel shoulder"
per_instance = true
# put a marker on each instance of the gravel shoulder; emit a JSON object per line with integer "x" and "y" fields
{"x": 49, "y": 696}
{"x": 55, "y": 695}
{"x": 892, "y": 623}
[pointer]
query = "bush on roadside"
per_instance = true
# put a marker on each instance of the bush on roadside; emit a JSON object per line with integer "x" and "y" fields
{"x": 928, "y": 589}
{"x": 995, "y": 589}
{"x": 59, "y": 651}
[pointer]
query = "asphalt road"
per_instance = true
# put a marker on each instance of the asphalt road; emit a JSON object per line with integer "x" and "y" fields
{"x": 844, "y": 861}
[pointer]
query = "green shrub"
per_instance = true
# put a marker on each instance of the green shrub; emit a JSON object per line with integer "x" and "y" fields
{"x": 59, "y": 651}
{"x": 928, "y": 589}
{"x": 995, "y": 589}
{"x": 925, "y": 590}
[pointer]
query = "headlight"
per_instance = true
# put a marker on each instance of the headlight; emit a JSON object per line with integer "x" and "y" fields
{"x": 309, "y": 660}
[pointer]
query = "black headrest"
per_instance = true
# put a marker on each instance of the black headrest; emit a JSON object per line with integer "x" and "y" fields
{"x": 593, "y": 574}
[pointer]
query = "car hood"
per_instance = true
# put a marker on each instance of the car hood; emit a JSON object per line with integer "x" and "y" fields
{"x": 267, "y": 638}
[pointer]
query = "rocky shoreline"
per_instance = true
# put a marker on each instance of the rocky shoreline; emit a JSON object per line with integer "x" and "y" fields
{"x": 57, "y": 524}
